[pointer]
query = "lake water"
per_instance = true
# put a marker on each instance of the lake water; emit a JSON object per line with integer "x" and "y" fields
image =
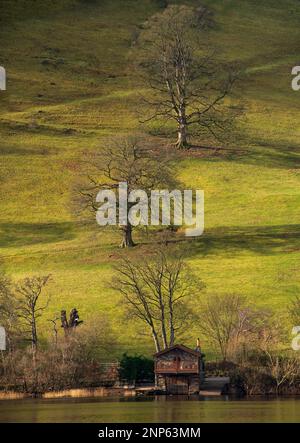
{"x": 151, "y": 410}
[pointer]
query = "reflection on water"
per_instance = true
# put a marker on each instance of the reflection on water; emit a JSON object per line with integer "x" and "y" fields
{"x": 175, "y": 409}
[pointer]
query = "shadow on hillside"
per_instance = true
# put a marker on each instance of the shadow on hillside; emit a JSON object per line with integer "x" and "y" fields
{"x": 225, "y": 241}
{"x": 21, "y": 128}
{"x": 16, "y": 150}
{"x": 228, "y": 241}
{"x": 262, "y": 240}
{"x": 25, "y": 234}
{"x": 282, "y": 156}
{"x": 258, "y": 152}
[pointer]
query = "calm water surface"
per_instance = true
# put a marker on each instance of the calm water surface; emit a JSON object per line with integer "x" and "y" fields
{"x": 151, "y": 410}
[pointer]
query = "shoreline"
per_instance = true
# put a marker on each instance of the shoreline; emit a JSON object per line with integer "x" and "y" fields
{"x": 102, "y": 392}
{"x": 71, "y": 393}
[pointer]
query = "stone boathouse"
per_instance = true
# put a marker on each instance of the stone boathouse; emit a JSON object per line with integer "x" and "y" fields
{"x": 179, "y": 370}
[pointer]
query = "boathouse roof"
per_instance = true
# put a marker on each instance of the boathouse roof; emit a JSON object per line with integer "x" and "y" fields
{"x": 180, "y": 347}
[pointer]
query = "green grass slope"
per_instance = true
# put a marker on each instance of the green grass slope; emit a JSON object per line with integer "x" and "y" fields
{"x": 70, "y": 85}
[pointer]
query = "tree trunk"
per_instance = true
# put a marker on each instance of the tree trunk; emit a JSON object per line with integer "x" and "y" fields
{"x": 34, "y": 342}
{"x": 64, "y": 322}
{"x": 171, "y": 321}
{"x": 156, "y": 341}
{"x": 182, "y": 140}
{"x": 172, "y": 333}
{"x": 162, "y": 321}
{"x": 34, "y": 337}
{"x": 127, "y": 241}
{"x": 163, "y": 332}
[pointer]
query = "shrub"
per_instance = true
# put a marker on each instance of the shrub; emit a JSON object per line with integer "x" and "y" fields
{"x": 253, "y": 381}
{"x": 219, "y": 369}
{"x": 136, "y": 368}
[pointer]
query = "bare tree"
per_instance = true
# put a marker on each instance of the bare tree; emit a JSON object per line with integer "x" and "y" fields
{"x": 226, "y": 321}
{"x": 53, "y": 321}
{"x": 188, "y": 83}
{"x": 283, "y": 368}
{"x": 125, "y": 160}
{"x": 29, "y": 308}
{"x": 8, "y": 304}
{"x": 158, "y": 291}
{"x": 283, "y": 364}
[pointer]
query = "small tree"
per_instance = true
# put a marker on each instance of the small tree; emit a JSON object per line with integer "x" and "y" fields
{"x": 125, "y": 160}
{"x": 283, "y": 365}
{"x": 226, "y": 321}
{"x": 158, "y": 291}
{"x": 54, "y": 321}
{"x": 283, "y": 368}
{"x": 188, "y": 83}
{"x": 29, "y": 308}
{"x": 8, "y": 309}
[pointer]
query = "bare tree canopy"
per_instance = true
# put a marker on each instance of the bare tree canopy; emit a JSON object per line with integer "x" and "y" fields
{"x": 126, "y": 160}
{"x": 8, "y": 308}
{"x": 188, "y": 83}
{"x": 29, "y": 308}
{"x": 229, "y": 321}
{"x": 159, "y": 291}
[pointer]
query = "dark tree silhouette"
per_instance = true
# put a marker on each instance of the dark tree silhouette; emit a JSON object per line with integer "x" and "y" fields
{"x": 72, "y": 323}
{"x": 29, "y": 308}
{"x": 126, "y": 160}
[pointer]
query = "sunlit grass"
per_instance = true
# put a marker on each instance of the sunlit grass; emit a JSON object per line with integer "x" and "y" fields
{"x": 70, "y": 86}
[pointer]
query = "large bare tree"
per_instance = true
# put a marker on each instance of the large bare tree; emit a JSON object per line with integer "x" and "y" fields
{"x": 188, "y": 83}
{"x": 29, "y": 306}
{"x": 126, "y": 160}
{"x": 159, "y": 291}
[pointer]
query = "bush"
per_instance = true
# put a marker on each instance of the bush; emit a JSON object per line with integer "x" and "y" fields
{"x": 136, "y": 368}
{"x": 252, "y": 381}
{"x": 268, "y": 373}
{"x": 68, "y": 362}
{"x": 61, "y": 367}
{"x": 219, "y": 369}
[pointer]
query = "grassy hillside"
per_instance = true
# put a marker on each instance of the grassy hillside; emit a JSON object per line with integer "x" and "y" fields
{"x": 70, "y": 85}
